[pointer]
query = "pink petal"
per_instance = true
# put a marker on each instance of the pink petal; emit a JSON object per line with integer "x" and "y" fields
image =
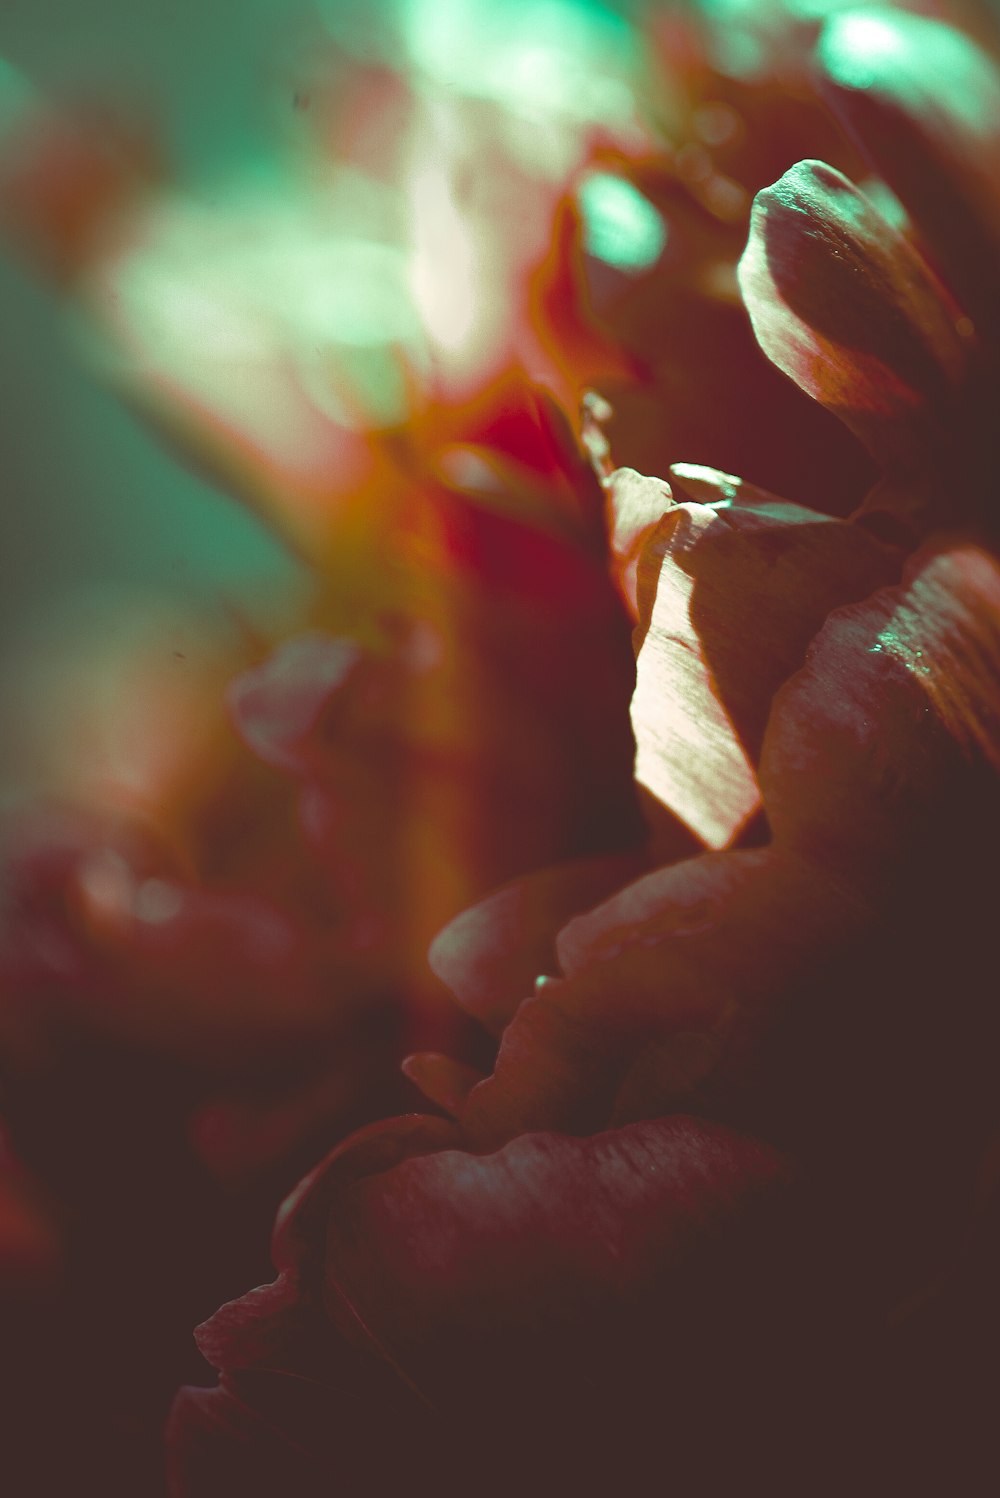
{"x": 511, "y": 1264}
{"x": 677, "y": 954}
{"x": 490, "y": 956}
{"x": 441, "y": 1079}
{"x": 729, "y": 597}
{"x": 879, "y": 754}
{"x": 276, "y": 1325}
{"x": 843, "y": 304}
{"x": 895, "y": 719}
{"x": 637, "y": 504}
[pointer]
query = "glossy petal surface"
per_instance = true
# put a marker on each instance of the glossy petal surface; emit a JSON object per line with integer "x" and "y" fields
{"x": 843, "y": 304}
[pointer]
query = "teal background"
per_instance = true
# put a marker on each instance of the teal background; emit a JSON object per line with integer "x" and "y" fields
{"x": 89, "y": 499}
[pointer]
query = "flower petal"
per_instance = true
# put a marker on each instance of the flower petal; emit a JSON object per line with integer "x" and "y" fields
{"x": 277, "y": 1325}
{"x": 490, "y": 956}
{"x": 879, "y": 755}
{"x": 612, "y": 1278}
{"x": 637, "y": 504}
{"x": 547, "y": 1266}
{"x": 441, "y": 1079}
{"x": 276, "y": 705}
{"x": 675, "y": 955}
{"x": 843, "y": 304}
{"x": 729, "y": 597}
{"x": 923, "y": 102}
{"x": 894, "y": 722}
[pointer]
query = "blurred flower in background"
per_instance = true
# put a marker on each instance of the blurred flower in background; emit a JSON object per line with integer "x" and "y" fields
{"x": 488, "y": 253}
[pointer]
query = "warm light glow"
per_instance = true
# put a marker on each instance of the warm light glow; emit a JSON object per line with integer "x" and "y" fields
{"x": 443, "y": 265}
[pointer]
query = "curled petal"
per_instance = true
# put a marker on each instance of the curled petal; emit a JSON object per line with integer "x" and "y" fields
{"x": 566, "y": 1305}
{"x": 709, "y": 486}
{"x": 531, "y": 1260}
{"x": 729, "y": 597}
{"x": 637, "y": 504}
{"x": 441, "y": 1079}
{"x": 490, "y": 956}
{"x": 277, "y": 1324}
{"x": 843, "y": 304}
{"x": 923, "y": 102}
{"x": 879, "y": 752}
{"x": 678, "y": 954}
{"x": 298, "y": 1230}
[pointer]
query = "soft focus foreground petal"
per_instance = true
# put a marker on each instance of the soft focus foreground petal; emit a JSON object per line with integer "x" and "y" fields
{"x": 431, "y": 753}
{"x": 516, "y": 453}
{"x": 199, "y": 972}
{"x": 843, "y": 304}
{"x": 114, "y": 702}
{"x": 315, "y": 328}
{"x": 104, "y": 930}
{"x": 491, "y": 955}
{"x": 729, "y": 596}
{"x": 276, "y": 704}
{"x": 923, "y": 102}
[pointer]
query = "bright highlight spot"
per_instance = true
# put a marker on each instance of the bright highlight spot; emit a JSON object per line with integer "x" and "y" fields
{"x": 220, "y": 300}
{"x": 857, "y": 48}
{"x": 443, "y": 267}
{"x": 932, "y": 69}
{"x": 550, "y": 57}
{"x": 621, "y": 227}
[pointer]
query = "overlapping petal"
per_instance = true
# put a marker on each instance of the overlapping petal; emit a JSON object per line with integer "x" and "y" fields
{"x": 491, "y": 955}
{"x": 874, "y": 756}
{"x": 729, "y": 595}
{"x": 580, "y": 1277}
{"x": 618, "y": 1284}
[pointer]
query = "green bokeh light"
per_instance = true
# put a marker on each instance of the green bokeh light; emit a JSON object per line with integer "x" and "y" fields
{"x": 621, "y": 226}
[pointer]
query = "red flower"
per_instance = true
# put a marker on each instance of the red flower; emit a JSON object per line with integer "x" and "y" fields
{"x": 820, "y": 711}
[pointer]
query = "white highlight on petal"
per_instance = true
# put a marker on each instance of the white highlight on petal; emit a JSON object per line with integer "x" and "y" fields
{"x": 688, "y": 754}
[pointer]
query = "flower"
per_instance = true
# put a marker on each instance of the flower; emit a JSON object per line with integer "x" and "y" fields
{"x": 784, "y": 1024}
